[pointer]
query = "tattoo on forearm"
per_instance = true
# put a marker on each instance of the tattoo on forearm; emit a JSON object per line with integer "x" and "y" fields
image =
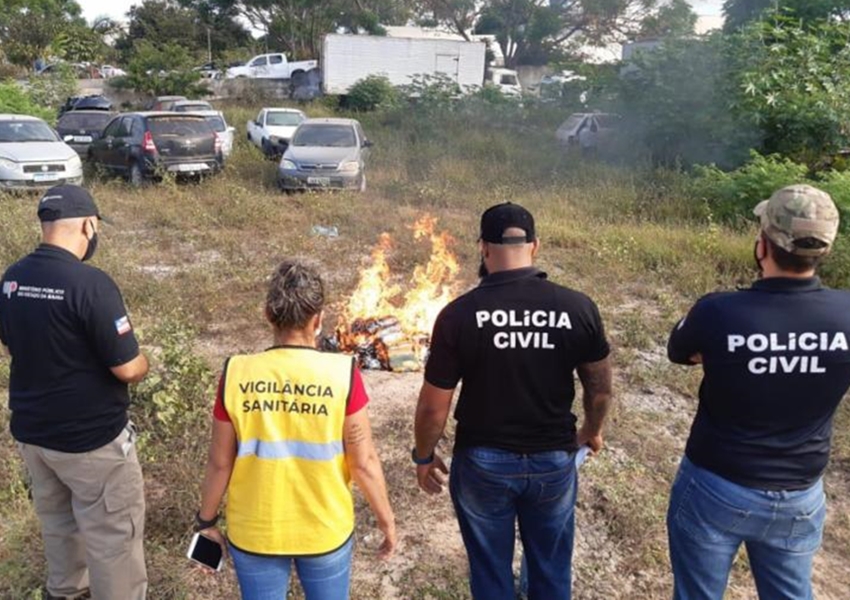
{"x": 356, "y": 435}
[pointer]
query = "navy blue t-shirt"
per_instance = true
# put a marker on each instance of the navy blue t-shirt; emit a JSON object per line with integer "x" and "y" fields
{"x": 515, "y": 341}
{"x": 776, "y": 364}
{"x": 65, "y": 325}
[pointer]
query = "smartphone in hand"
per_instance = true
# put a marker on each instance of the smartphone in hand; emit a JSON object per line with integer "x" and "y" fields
{"x": 206, "y": 552}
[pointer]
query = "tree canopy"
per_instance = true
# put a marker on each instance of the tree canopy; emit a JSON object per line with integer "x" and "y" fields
{"x": 29, "y": 27}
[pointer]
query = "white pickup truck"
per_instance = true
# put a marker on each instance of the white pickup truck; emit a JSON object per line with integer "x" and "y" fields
{"x": 273, "y": 128}
{"x": 273, "y": 66}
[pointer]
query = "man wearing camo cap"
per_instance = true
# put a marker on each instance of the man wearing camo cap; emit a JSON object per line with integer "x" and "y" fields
{"x": 776, "y": 363}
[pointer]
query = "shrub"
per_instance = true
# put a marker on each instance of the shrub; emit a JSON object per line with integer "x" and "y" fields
{"x": 372, "y": 92}
{"x": 52, "y": 90}
{"x": 13, "y": 99}
{"x": 733, "y": 195}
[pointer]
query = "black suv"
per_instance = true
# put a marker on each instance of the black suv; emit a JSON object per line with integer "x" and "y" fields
{"x": 145, "y": 145}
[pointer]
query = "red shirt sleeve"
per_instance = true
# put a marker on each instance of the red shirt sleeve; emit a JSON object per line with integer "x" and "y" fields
{"x": 219, "y": 412}
{"x": 358, "y": 398}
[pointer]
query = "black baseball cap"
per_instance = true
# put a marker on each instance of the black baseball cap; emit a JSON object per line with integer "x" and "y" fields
{"x": 497, "y": 219}
{"x": 66, "y": 202}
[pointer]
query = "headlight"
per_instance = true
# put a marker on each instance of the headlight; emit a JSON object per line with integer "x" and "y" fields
{"x": 288, "y": 165}
{"x": 350, "y": 167}
{"x": 75, "y": 163}
{"x": 9, "y": 164}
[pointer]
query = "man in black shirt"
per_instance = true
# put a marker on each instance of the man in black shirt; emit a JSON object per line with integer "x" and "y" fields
{"x": 515, "y": 341}
{"x": 73, "y": 353}
{"x": 776, "y": 364}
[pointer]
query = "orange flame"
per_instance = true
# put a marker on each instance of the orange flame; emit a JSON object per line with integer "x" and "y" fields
{"x": 396, "y": 322}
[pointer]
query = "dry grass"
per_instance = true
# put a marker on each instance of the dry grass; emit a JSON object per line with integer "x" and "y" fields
{"x": 192, "y": 261}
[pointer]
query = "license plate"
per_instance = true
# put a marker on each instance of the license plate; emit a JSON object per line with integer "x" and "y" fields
{"x": 45, "y": 176}
{"x": 192, "y": 167}
{"x": 319, "y": 180}
{"x": 82, "y": 138}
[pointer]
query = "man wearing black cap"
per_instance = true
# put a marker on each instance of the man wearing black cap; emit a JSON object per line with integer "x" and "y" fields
{"x": 73, "y": 353}
{"x": 515, "y": 341}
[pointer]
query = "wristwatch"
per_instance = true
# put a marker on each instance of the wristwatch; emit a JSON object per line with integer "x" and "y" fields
{"x": 421, "y": 461}
{"x": 200, "y": 524}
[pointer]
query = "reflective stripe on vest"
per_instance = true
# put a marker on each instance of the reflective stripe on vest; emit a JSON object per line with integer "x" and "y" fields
{"x": 289, "y": 493}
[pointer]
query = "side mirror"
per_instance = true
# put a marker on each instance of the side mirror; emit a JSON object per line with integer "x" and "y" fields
{"x": 368, "y": 143}
{"x": 68, "y": 138}
{"x": 231, "y": 128}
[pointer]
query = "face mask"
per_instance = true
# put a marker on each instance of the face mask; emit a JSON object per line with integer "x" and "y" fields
{"x": 482, "y": 269}
{"x": 92, "y": 247}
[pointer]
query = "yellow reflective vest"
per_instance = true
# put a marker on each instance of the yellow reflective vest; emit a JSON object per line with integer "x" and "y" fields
{"x": 289, "y": 493}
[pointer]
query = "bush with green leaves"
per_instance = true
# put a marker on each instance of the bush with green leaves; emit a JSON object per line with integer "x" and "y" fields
{"x": 733, "y": 195}
{"x": 14, "y": 99}
{"x": 162, "y": 70}
{"x": 794, "y": 83}
{"x": 52, "y": 90}
{"x": 371, "y": 93}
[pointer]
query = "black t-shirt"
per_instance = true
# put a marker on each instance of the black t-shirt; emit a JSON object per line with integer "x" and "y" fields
{"x": 776, "y": 365}
{"x": 65, "y": 325}
{"x": 515, "y": 341}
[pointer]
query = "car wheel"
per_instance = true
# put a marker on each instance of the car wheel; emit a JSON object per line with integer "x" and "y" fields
{"x": 362, "y": 187}
{"x": 269, "y": 151}
{"x": 136, "y": 177}
{"x": 299, "y": 78}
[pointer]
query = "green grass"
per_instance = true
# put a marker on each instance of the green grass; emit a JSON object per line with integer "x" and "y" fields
{"x": 192, "y": 261}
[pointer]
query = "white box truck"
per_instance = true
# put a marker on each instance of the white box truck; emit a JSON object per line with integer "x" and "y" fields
{"x": 346, "y": 59}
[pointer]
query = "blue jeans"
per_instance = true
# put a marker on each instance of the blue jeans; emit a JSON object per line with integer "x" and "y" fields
{"x": 325, "y": 577}
{"x": 710, "y": 517}
{"x": 492, "y": 489}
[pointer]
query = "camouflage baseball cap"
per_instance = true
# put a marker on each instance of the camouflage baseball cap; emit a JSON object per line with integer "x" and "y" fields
{"x": 797, "y": 213}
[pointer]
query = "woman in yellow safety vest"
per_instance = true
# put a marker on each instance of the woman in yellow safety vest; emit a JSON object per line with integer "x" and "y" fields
{"x": 290, "y": 431}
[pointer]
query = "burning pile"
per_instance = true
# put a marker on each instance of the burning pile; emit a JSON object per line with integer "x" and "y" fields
{"x": 387, "y": 327}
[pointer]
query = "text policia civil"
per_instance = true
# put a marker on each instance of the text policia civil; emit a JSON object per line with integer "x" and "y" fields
{"x": 786, "y": 342}
{"x": 535, "y": 338}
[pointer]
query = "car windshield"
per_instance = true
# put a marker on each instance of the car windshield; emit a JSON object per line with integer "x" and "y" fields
{"x": 89, "y": 121}
{"x": 508, "y": 80}
{"x": 284, "y": 119}
{"x": 26, "y": 131}
{"x": 216, "y": 122}
{"x": 337, "y": 136}
{"x": 177, "y": 126}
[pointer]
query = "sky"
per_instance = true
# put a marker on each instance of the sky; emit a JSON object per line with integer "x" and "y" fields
{"x": 117, "y": 9}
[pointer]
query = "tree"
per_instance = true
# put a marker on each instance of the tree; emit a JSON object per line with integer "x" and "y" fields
{"x": 538, "y": 31}
{"x": 676, "y": 104}
{"x": 29, "y": 27}
{"x": 163, "y": 69}
{"x": 159, "y": 23}
{"x": 740, "y": 12}
{"x": 297, "y": 26}
{"x": 794, "y": 84}
{"x": 676, "y": 19}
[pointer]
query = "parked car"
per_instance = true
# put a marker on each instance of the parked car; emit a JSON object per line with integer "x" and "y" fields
{"x": 33, "y": 157}
{"x": 108, "y": 71}
{"x": 190, "y": 106}
{"x": 325, "y": 153}
{"x": 273, "y": 128}
{"x": 144, "y": 145}
{"x": 273, "y": 66}
{"x": 505, "y": 80}
{"x": 224, "y": 131}
{"x": 90, "y": 102}
{"x": 209, "y": 71}
{"x": 79, "y": 128}
{"x": 165, "y": 102}
{"x": 602, "y": 124}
